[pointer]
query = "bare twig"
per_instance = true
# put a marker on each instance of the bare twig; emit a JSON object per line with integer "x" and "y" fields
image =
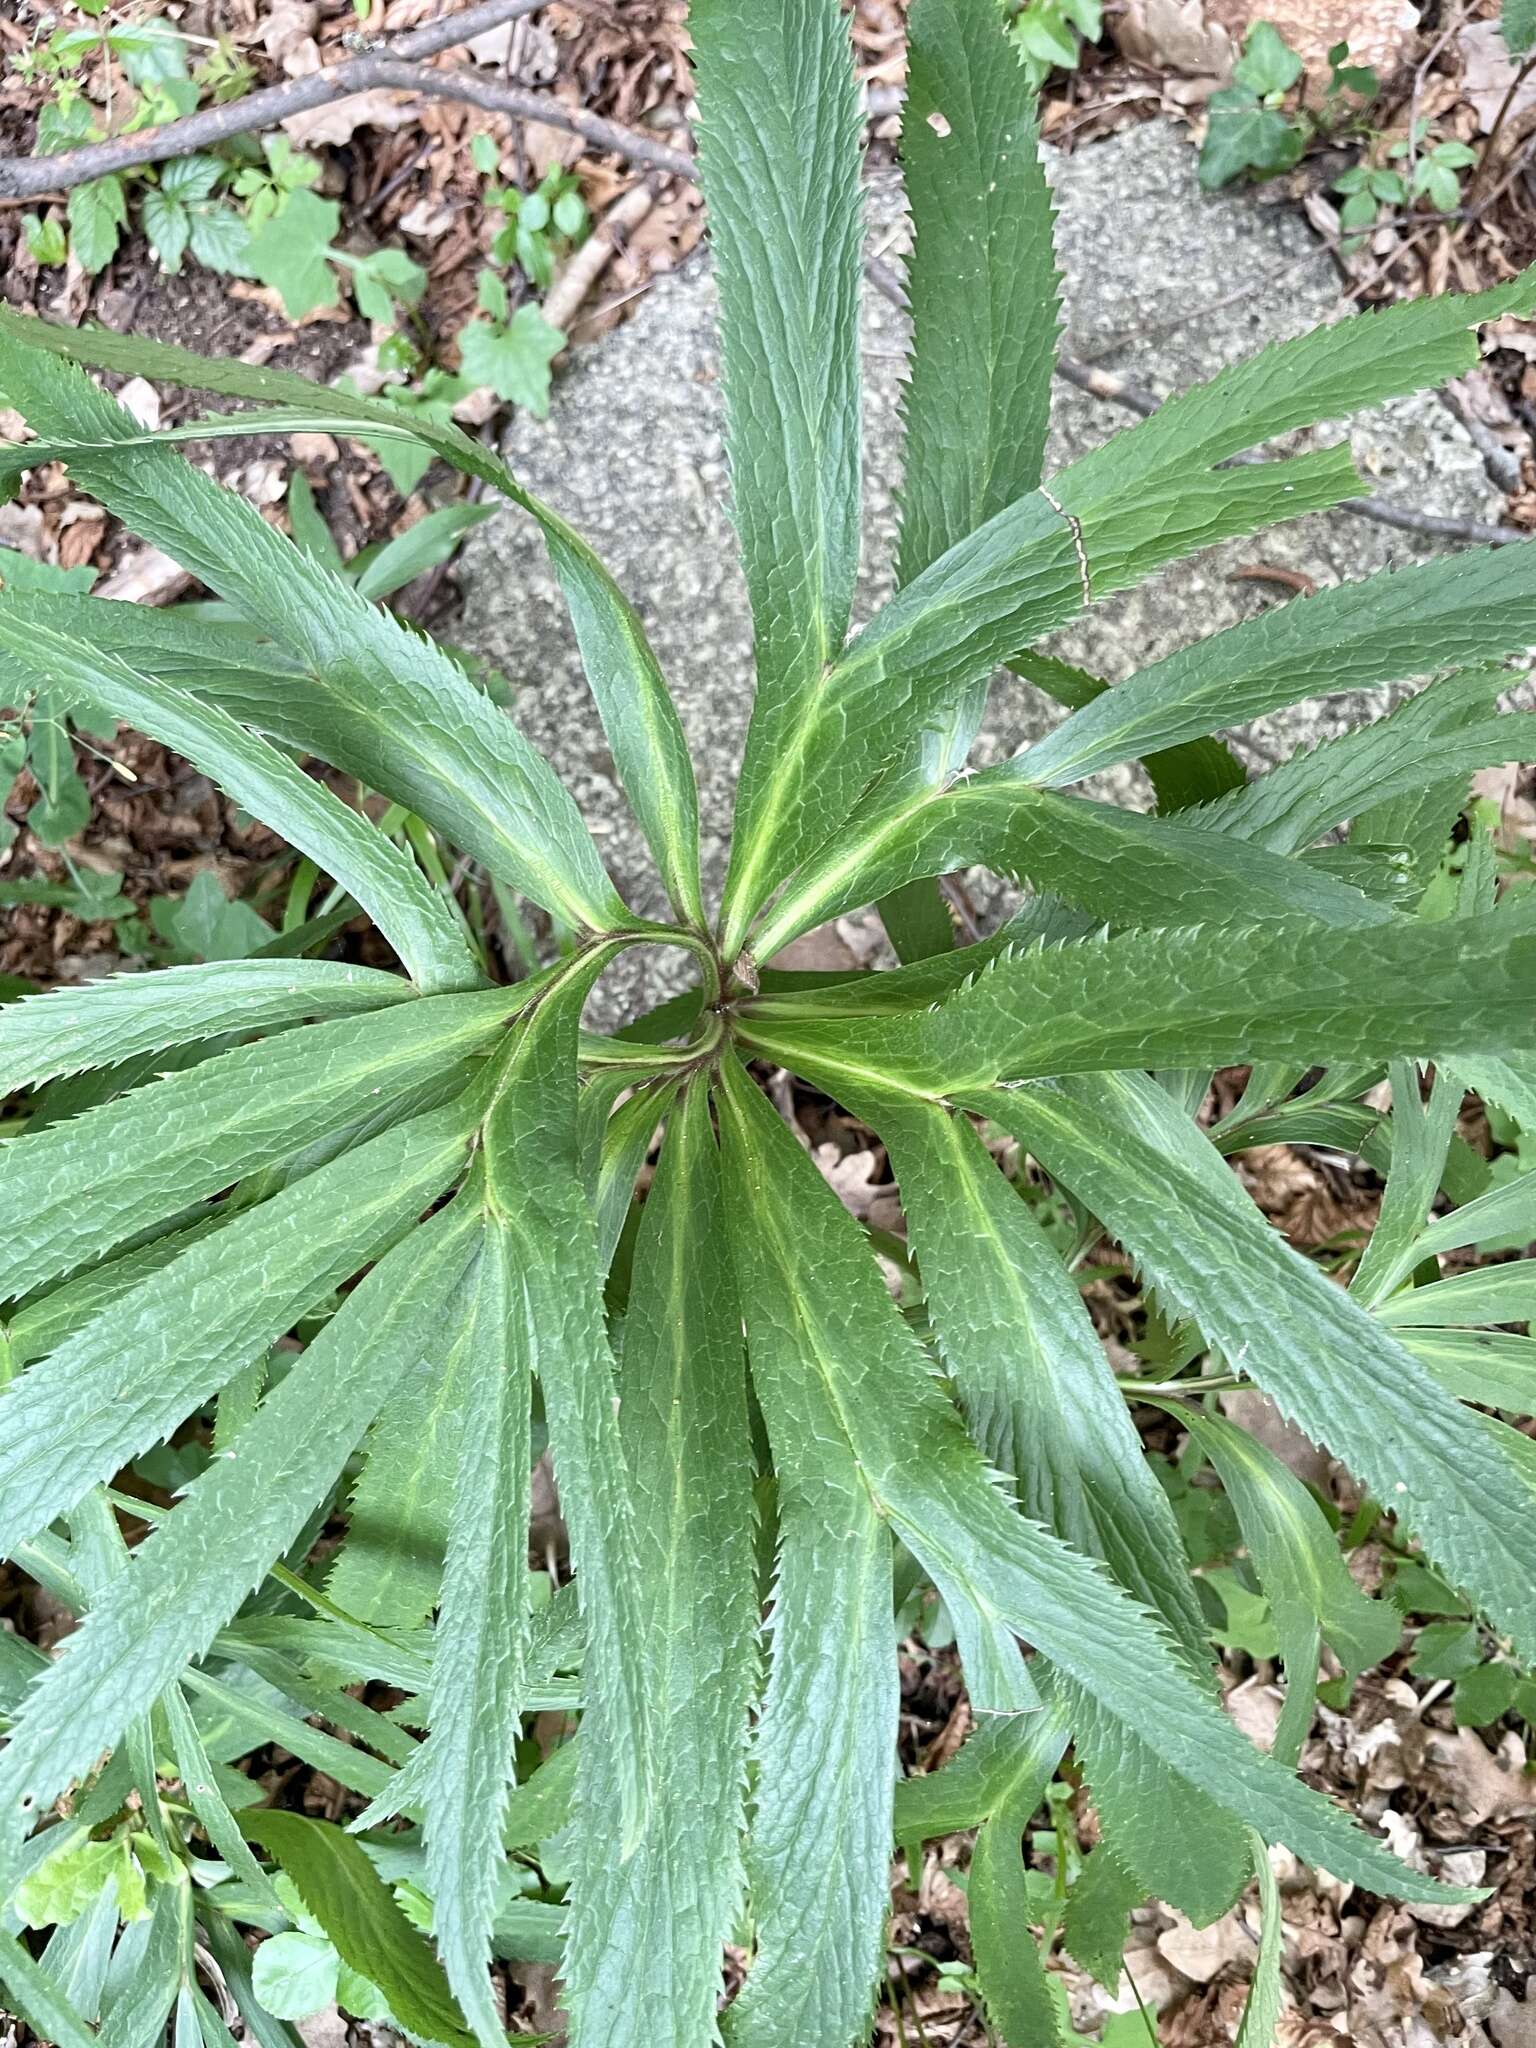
{"x": 28, "y": 177}
{"x": 565, "y": 296}
{"x": 402, "y": 70}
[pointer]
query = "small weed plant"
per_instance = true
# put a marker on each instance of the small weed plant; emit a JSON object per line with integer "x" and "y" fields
{"x": 292, "y": 1243}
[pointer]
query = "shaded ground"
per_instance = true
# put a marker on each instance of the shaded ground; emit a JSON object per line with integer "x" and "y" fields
{"x": 1357, "y": 1969}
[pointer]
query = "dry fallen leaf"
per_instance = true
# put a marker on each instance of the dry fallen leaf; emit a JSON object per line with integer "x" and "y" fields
{"x": 383, "y": 108}
{"x": 1174, "y": 35}
{"x": 1200, "y": 1953}
{"x": 1487, "y": 73}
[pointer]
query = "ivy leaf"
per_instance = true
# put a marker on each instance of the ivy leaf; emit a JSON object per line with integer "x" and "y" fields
{"x": 1245, "y": 136}
{"x": 382, "y": 281}
{"x": 97, "y": 214}
{"x": 206, "y": 925}
{"x": 290, "y": 252}
{"x": 1268, "y": 63}
{"x": 512, "y": 360}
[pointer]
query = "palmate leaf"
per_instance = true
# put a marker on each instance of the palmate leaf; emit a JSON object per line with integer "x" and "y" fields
{"x": 76, "y": 1189}
{"x": 1004, "y": 1771}
{"x": 105, "y": 1022}
{"x": 536, "y": 1199}
{"x": 479, "y": 1681}
{"x": 1194, "y": 772}
{"x": 1415, "y": 621}
{"x": 1433, "y": 741}
{"x": 189, "y": 1576}
{"x": 1304, "y": 1577}
{"x": 1121, "y": 1144}
{"x": 1020, "y": 575}
{"x": 386, "y": 704}
{"x": 828, "y": 1347}
{"x": 984, "y": 295}
{"x": 385, "y": 881}
{"x": 1287, "y": 991}
{"x": 643, "y": 1960}
{"x": 778, "y": 142}
{"x": 1027, "y": 1365}
{"x": 1113, "y": 865}
{"x": 126, "y": 1380}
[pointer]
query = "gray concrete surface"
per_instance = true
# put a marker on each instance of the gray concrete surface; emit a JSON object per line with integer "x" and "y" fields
{"x": 1164, "y": 285}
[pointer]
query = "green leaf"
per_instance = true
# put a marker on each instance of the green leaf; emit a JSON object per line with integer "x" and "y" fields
{"x": 1178, "y": 1841}
{"x": 824, "y": 1336}
{"x": 1008, "y": 1964}
{"x": 383, "y": 879}
{"x": 1299, "y": 1565}
{"x": 1486, "y": 1366}
{"x": 1195, "y": 773}
{"x": 1114, "y": 865}
{"x": 382, "y": 281}
{"x": 1421, "y": 1139}
{"x": 295, "y": 1975}
{"x": 376, "y": 699}
{"x": 1017, "y": 577}
{"x": 63, "y": 809}
{"x": 536, "y": 1197}
{"x": 644, "y": 1947}
{"x": 480, "y": 1673}
{"x": 168, "y": 225}
{"x": 778, "y": 145}
{"x": 1504, "y": 1211}
{"x": 357, "y": 1910}
{"x": 208, "y": 925}
{"x": 984, "y": 293}
{"x": 200, "y": 1783}
{"x": 69, "y": 1879}
{"x": 824, "y": 1752}
{"x": 1098, "y": 1907}
{"x": 1121, "y": 1145}
{"x": 512, "y": 359}
{"x": 1402, "y": 779}
{"x": 1266, "y": 1995}
{"x": 98, "y": 212}
{"x": 1325, "y": 374}
{"x": 1517, "y": 23}
{"x": 1268, "y": 63}
{"x": 430, "y": 541}
{"x": 390, "y": 1563}
{"x": 1434, "y": 615}
{"x": 138, "y": 1369}
{"x": 1027, "y": 1365}
{"x": 1242, "y": 135}
{"x": 1493, "y": 1294}
{"x": 38, "y": 1998}
{"x": 290, "y": 252}
{"x": 76, "y": 1189}
{"x": 246, "y": 1509}
{"x": 1485, "y": 1695}
{"x": 1286, "y": 991}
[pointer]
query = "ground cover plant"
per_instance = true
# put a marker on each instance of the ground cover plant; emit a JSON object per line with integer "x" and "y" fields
{"x": 376, "y": 1233}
